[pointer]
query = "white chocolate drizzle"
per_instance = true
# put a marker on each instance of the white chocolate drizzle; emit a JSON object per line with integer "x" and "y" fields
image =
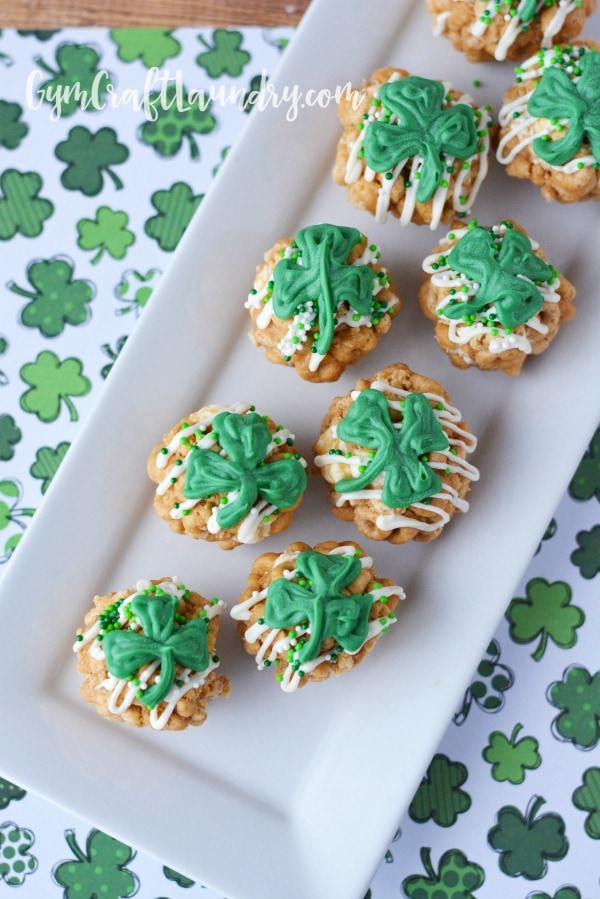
{"x": 515, "y": 24}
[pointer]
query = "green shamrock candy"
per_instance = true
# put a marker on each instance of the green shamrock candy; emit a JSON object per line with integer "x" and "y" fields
{"x": 408, "y": 478}
{"x": 317, "y": 595}
{"x": 176, "y": 118}
{"x": 505, "y": 271}
{"x": 89, "y": 155}
{"x": 175, "y": 207}
{"x": 439, "y": 797}
{"x": 510, "y": 758}
{"x": 558, "y": 97}
{"x": 225, "y": 56}
{"x": 586, "y": 480}
{"x": 77, "y": 82}
{"x": 153, "y": 46}
{"x": 10, "y": 435}
{"x": 22, "y": 211}
{"x": 246, "y": 440}
{"x": 587, "y": 556}
{"x": 526, "y": 843}
{"x": 423, "y": 128}
{"x": 46, "y": 463}
{"x": 12, "y": 131}
{"x": 587, "y": 799}
{"x": 108, "y": 233}
{"x": 99, "y": 871}
{"x": 455, "y": 878}
{"x": 546, "y": 613}
{"x": 9, "y": 792}
{"x": 578, "y": 698}
{"x": 323, "y": 277}
{"x": 487, "y": 688}
{"x": 56, "y": 299}
{"x": 527, "y": 10}
{"x": 53, "y": 382}
{"x": 127, "y": 650}
{"x": 16, "y": 862}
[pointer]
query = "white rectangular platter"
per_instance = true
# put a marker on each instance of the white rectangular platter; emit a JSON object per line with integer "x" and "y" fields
{"x": 290, "y": 795}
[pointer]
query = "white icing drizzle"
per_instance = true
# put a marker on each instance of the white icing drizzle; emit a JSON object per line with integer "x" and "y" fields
{"x": 278, "y": 641}
{"x": 123, "y": 692}
{"x": 514, "y": 23}
{"x": 439, "y": 25}
{"x": 461, "y": 202}
{"x": 461, "y": 333}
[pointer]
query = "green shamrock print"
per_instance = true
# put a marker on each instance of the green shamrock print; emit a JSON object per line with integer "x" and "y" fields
{"x": 53, "y": 382}
{"x": 316, "y": 595}
{"x": 112, "y": 354}
{"x": 564, "y": 892}
{"x": 152, "y": 46}
{"x": 12, "y": 130}
{"x": 398, "y": 451}
{"x": 135, "y": 289}
{"x": 545, "y": 612}
{"x": 489, "y": 685}
{"x": 175, "y": 208}
{"x": 225, "y": 56}
{"x": 22, "y": 211}
{"x": 587, "y": 799}
{"x": 509, "y": 757}
{"x": 251, "y": 96}
{"x": 10, "y": 792}
{"x": 41, "y": 35}
{"x": 455, "y": 878}
{"x": 16, "y": 861}
{"x": 10, "y": 435}
{"x": 56, "y": 299}
{"x": 107, "y": 233}
{"x": 558, "y": 97}
{"x": 126, "y": 650}
{"x": 89, "y": 156}
{"x": 587, "y": 556}
{"x": 547, "y": 535}
{"x": 320, "y": 274}
{"x": 175, "y": 119}
{"x": 525, "y": 842}
{"x": 439, "y": 796}
{"x": 245, "y": 440}
{"x": 506, "y": 270}
{"x": 586, "y": 481}
{"x": 577, "y": 696}
{"x": 180, "y": 879}
{"x": 46, "y": 463}
{"x": 99, "y": 871}
{"x": 76, "y": 82}
{"x": 424, "y": 127}
{"x": 12, "y": 515}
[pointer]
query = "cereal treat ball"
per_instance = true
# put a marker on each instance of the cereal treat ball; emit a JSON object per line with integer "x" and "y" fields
{"x": 321, "y": 300}
{"x": 412, "y": 146}
{"x": 227, "y": 474}
{"x": 550, "y": 123}
{"x": 508, "y": 29}
{"x": 148, "y": 656}
{"x": 493, "y": 297}
{"x": 393, "y": 453}
{"x": 309, "y": 613}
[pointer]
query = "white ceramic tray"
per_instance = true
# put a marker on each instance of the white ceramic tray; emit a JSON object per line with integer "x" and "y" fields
{"x": 290, "y": 795}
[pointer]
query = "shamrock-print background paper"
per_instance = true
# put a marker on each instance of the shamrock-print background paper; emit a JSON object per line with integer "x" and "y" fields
{"x": 91, "y": 207}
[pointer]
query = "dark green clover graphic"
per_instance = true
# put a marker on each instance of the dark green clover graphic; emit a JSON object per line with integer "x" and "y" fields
{"x": 504, "y": 271}
{"x": 545, "y": 612}
{"x": 41, "y": 35}
{"x": 112, "y": 355}
{"x": 170, "y": 125}
{"x": 455, "y": 878}
{"x": 245, "y": 439}
{"x": 577, "y": 696}
{"x": 423, "y": 128}
{"x": 10, "y": 435}
{"x": 152, "y": 46}
{"x": 22, "y": 211}
{"x": 316, "y": 596}
{"x": 53, "y": 382}
{"x": 46, "y": 463}
{"x": 77, "y": 80}
{"x": 439, "y": 796}
{"x": 558, "y": 97}
{"x": 180, "y": 879}
{"x": 398, "y": 452}
{"x": 586, "y": 481}
{"x": 488, "y": 686}
{"x": 56, "y": 299}
{"x": 9, "y": 792}
{"x": 12, "y": 515}
{"x": 525, "y": 842}
{"x": 127, "y": 650}
{"x": 107, "y": 233}
{"x": 16, "y": 861}
{"x": 99, "y": 871}
{"x": 89, "y": 157}
{"x": 587, "y": 799}
{"x": 587, "y": 557}
{"x": 509, "y": 757}
{"x": 565, "y": 892}
{"x": 175, "y": 208}
{"x": 324, "y": 277}
{"x": 225, "y": 56}
{"x": 12, "y": 130}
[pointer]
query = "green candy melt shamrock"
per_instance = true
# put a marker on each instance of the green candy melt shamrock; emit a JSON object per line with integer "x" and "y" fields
{"x": 408, "y": 478}
{"x": 246, "y": 440}
{"x": 423, "y": 128}
{"x": 127, "y": 650}
{"x": 525, "y": 842}
{"x": 316, "y": 595}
